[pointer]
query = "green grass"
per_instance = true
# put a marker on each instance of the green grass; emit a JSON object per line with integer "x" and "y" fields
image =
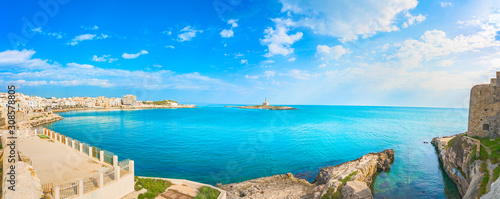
{"x": 154, "y": 186}
{"x": 330, "y": 194}
{"x": 482, "y": 188}
{"x": 494, "y": 147}
{"x": 450, "y": 143}
{"x": 483, "y": 154}
{"x": 348, "y": 177}
{"x": 42, "y": 136}
{"x": 496, "y": 173}
{"x": 208, "y": 193}
{"x": 337, "y": 195}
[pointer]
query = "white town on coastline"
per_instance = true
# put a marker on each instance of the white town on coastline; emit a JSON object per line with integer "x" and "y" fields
{"x": 27, "y": 103}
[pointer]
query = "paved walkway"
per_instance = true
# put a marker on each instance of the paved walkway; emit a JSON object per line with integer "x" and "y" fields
{"x": 54, "y": 162}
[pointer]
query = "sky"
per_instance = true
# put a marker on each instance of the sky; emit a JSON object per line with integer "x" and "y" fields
{"x": 323, "y": 52}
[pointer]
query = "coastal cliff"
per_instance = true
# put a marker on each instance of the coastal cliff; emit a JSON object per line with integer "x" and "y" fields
{"x": 347, "y": 180}
{"x": 469, "y": 164}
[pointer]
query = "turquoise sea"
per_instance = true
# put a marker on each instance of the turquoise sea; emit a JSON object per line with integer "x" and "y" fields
{"x": 214, "y": 144}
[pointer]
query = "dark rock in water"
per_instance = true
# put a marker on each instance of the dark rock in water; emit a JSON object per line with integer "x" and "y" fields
{"x": 385, "y": 184}
{"x": 382, "y": 175}
{"x": 400, "y": 184}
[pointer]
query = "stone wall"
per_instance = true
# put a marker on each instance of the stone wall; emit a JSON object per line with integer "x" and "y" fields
{"x": 484, "y": 109}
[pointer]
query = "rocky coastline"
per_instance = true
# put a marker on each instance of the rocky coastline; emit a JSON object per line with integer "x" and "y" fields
{"x": 39, "y": 119}
{"x": 347, "y": 180}
{"x": 460, "y": 156}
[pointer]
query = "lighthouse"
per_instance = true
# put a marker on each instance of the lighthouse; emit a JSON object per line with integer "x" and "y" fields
{"x": 265, "y": 103}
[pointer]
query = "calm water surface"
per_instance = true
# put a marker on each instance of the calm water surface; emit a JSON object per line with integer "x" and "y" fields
{"x": 215, "y": 144}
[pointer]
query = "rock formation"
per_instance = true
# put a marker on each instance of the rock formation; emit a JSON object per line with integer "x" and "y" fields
{"x": 458, "y": 154}
{"x": 350, "y": 180}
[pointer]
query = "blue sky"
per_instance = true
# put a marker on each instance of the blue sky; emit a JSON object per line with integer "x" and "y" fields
{"x": 392, "y": 52}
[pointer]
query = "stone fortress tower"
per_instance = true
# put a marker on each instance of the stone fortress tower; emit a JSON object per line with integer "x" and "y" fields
{"x": 484, "y": 109}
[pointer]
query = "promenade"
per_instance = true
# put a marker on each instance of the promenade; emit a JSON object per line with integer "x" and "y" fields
{"x": 56, "y": 163}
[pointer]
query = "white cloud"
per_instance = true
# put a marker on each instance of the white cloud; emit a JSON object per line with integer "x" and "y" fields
{"x": 291, "y": 59}
{"x": 80, "y": 38}
{"x": 54, "y": 34}
{"x": 413, "y": 19}
{"x": 75, "y": 65}
{"x": 330, "y": 17}
{"x": 446, "y": 4}
{"x": 327, "y": 53}
{"x": 267, "y": 62}
{"x": 300, "y": 74}
{"x": 22, "y": 59}
{"x": 37, "y": 29}
{"x": 334, "y": 52}
{"x": 84, "y": 37}
{"x": 233, "y": 23}
{"x": 75, "y": 74}
{"x": 133, "y": 56}
{"x": 244, "y": 61}
{"x": 104, "y": 58}
{"x": 187, "y": 33}
{"x": 170, "y": 46}
{"x": 103, "y": 36}
{"x": 252, "y": 76}
{"x": 226, "y": 33}
{"x": 435, "y": 43}
{"x": 267, "y": 74}
{"x": 167, "y": 32}
{"x": 277, "y": 39}
{"x": 90, "y": 28}
{"x": 157, "y": 66}
{"x": 446, "y": 62}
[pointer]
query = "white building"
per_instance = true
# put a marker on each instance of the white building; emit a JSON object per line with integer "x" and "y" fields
{"x": 129, "y": 99}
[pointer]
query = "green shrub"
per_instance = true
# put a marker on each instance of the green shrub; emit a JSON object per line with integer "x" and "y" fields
{"x": 207, "y": 193}
{"x": 348, "y": 177}
{"x": 338, "y": 195}
{"x": 330, "y": 194}
{"x": 154, "y": 186}
{"x": 482, "y": 188}
{"x": 496, "y": 173}
{"x": 146, "y": 195}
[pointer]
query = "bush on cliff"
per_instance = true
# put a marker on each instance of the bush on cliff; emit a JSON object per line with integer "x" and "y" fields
{"x": 207, "y": 193}
{"x": 154, "y": 187}
{"x": 496, "y": 174}
{"x": 330, "y": 194}
{"x": 486, "y": 178}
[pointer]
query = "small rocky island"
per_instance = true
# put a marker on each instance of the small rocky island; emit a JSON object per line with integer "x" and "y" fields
{"x": 265, "y": 105}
